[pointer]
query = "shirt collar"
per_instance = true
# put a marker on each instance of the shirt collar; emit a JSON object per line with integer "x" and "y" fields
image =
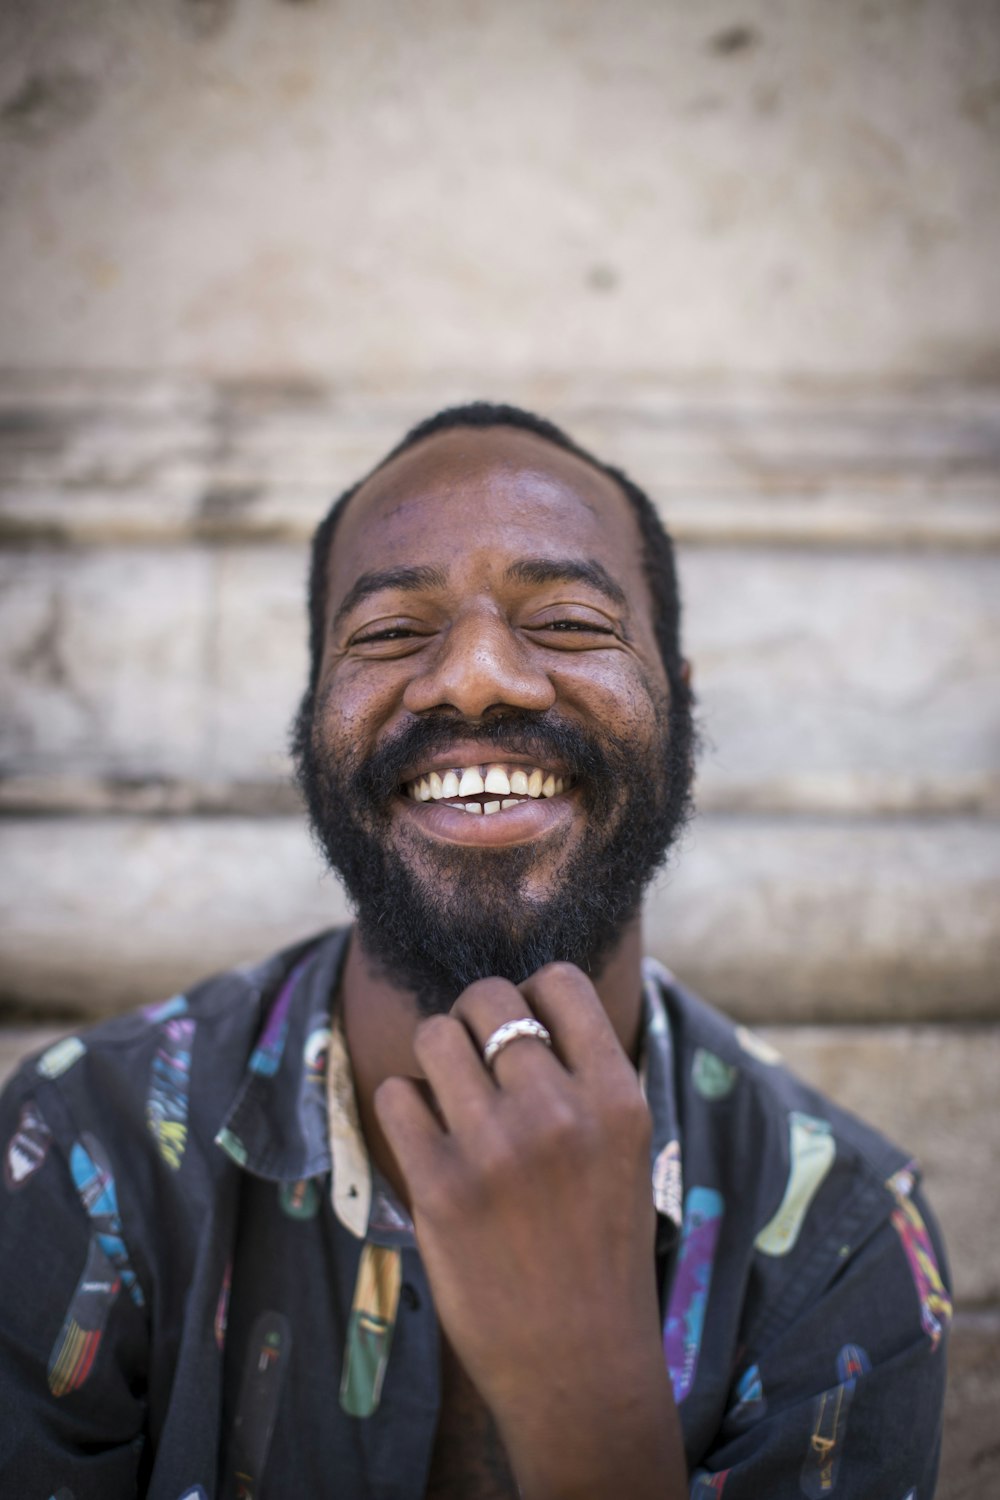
{"x": 656, "y": 1075}
{"x": 295, "y": 1114}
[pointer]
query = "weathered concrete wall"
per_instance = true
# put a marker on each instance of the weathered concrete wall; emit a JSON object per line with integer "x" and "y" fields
{"x": 370, "y": 188}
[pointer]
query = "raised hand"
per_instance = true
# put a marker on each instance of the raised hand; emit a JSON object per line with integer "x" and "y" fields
{"x": 529, "y": 1187}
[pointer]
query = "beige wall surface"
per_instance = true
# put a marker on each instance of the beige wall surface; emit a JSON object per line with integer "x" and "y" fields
{"x": 749, "y": 251}
{"x": 365, "y": 188}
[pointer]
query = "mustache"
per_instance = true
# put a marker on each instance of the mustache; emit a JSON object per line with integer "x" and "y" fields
{"x": 543, "y": 737}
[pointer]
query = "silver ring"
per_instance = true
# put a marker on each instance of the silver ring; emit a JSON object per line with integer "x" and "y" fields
{"x": 509, "y": 1032}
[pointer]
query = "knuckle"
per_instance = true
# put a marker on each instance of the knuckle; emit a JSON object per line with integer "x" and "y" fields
{"x": 432, "y": 1033}
{"x": 484, "y": 994}
{"x": 497, "y": 1160}
{"x": 560, "y": 971}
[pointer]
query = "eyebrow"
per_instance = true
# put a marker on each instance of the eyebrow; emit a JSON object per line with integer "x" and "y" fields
{"x": 568, "y": 570}
{"x": 526, "y": 570}
{"x": 409, "y": 580}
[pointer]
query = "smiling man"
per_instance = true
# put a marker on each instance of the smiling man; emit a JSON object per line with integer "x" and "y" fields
{"x": 470, "y": 1200}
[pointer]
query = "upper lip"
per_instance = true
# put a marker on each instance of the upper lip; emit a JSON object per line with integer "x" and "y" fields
{"x": 469, "y": 753}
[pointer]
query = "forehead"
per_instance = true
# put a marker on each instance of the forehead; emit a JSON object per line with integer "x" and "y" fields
{"x": 496, "y": 492}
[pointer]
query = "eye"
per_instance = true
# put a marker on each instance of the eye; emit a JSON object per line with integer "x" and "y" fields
{"x": 583, "y": 626}
{"x": 389, "y": 633}
{"x": 388, "y": 637}
{"x": 580, "y": 629}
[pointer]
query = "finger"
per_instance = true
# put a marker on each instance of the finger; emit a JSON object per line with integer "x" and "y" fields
{"x": 564, "y": 999}
{"x": 486, "y": 1006}
{"x": 414, "y": 1136}
{"x": 453, "y": 1067}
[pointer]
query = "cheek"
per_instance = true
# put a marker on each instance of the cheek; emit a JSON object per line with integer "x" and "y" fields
{"x": 617, "y": 695}
{"x": 349, "y": 713}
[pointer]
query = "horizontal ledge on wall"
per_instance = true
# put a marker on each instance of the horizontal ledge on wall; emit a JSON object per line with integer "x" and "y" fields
{"x": 256, "y": 514}
{"x": 773, "y": 919}
{"x": 836, "y": 795}
{"x": 90, "y": 460}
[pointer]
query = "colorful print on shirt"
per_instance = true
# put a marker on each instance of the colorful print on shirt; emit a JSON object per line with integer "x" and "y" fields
{"x": 749, "y": 1393}
{"x": 268, "y": 1354}
{"x": 299, "y": 1200}
{"x": 27, "y": 1148}
{"x": 755, "y": 1046}
{"x": 685, "y": 1323}
{"x": 60, "y": 1057}
{"x": 78, "y": 1341}
{"x": 221, "y": 1319}
{"x": 668, "y": 1183}
{"x": 812, "y": 1150}
{"x": 826, "y": 1443}
{"x": 312, "y": 1098}
{"x": 170, "y": 1080}
{"x": 166, "y": 1010}
{"x": 268, "y": 1053}
{"x": 713, "y": 1078}
{"x": 705, "y": 1485}
{"x": 369, "y": 1333}
{"x": 907, "y": 1220}
{"x": 95, "y": 1185}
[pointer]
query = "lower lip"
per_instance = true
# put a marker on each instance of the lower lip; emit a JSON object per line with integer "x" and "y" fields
{"x": 522, "y": 824}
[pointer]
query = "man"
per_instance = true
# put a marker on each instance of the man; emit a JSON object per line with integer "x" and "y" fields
{"x": 469, "y": 1201}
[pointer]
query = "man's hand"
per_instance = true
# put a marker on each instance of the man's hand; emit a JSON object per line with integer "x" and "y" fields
{"x": 531, "y": 1200}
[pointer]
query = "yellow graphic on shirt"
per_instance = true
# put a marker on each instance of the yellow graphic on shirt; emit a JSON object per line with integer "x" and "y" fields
{"x": 908, "y": 1222}
{"x": 812, "y": 1150}
{"x": 369, "y": 1334}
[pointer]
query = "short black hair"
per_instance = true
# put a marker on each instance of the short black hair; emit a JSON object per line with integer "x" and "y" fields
{"x": 657, "y": 546}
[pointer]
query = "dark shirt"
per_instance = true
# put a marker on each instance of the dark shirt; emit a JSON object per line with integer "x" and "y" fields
{"x": 209, "y": 1291}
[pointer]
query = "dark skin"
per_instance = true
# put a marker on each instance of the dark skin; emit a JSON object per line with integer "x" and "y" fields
{"x": 529, "y": 1186}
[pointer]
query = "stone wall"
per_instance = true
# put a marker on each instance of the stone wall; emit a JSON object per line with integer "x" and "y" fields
{"x": 749, "y": 252}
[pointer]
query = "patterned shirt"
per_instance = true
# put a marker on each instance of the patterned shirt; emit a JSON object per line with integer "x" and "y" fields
{"x": 210, "y": 1291}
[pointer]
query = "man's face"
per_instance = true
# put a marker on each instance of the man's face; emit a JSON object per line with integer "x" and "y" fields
{"x": 487, "y": 759}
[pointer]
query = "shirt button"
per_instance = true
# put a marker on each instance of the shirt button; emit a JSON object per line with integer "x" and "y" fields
{"x": 410, "y": 1296}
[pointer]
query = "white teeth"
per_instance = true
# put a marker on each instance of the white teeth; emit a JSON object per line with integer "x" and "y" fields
{"x": 489, "y": 807}
{"x": 469, "y": 781}
{"x": 497, "y": 781}
{"x": 508, "y": 802}
{"x": 474, "y": 807}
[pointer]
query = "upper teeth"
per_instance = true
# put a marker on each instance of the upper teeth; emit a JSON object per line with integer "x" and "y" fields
{"x": 507, "y": 782}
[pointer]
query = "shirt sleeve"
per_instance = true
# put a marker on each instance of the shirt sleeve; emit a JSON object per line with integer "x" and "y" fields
{"x": 846, "y": 1400}
{"x": 73, "y": 1326}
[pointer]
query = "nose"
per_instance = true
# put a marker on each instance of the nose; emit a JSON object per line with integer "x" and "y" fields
{"x": 479, "y": 665}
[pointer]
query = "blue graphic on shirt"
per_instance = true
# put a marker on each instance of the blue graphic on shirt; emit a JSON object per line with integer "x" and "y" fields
{"x": 166, "y": 1010}
{"x": 95, "y": 1184}
{"x": 689, "y": 1295}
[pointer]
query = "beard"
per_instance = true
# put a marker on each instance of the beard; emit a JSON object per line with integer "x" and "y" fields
{"x": 433, "y": 917}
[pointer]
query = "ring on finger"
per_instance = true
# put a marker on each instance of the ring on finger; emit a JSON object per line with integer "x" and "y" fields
{"x": 509, "y": 1032}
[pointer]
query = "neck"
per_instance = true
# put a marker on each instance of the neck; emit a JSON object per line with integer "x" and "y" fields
{"x": 380, "y": 1019}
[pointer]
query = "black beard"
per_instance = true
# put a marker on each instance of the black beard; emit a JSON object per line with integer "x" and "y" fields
{"x": 465, "y": 916}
